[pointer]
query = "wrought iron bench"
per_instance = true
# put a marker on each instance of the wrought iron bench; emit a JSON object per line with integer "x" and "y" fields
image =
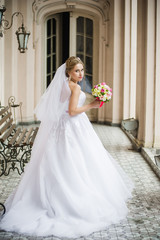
{"x": 15, "y": 144}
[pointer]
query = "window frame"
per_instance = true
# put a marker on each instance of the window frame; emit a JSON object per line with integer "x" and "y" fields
{"x": 58, "y": 43}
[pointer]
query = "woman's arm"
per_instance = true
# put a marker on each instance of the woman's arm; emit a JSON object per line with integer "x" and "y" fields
{"x": 73, "y": 109}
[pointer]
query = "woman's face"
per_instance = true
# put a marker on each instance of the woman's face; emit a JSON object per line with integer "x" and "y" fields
{"x": 77, "y": 73}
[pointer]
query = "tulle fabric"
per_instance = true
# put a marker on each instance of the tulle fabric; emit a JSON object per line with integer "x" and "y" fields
{"x": 53, "y": 103}
{"x": 55, "y": 99}
{"x": 74, "y": 188}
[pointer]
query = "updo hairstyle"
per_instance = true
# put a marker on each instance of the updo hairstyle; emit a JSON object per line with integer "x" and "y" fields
{"x": 71, "y": 62}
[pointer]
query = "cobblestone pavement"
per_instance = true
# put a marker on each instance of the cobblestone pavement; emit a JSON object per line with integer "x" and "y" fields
{"x": 143, "y": 221}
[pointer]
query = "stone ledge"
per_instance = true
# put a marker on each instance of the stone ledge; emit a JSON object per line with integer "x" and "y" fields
{"x": 148, "y": 154}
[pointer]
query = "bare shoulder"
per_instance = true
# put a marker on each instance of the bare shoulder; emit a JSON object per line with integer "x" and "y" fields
{"x": 74, "y": 87}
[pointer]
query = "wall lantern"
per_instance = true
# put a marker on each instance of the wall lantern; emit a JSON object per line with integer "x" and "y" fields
{"x": 22, "y": 34}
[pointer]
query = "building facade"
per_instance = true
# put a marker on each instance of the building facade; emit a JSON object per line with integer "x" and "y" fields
{"x": 116, "y": 39}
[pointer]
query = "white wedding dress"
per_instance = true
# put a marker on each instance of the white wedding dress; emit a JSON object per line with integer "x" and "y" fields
{"x": 73, "y": 189}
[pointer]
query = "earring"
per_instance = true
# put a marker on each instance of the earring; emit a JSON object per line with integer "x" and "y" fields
{"x": 69, "y": 78}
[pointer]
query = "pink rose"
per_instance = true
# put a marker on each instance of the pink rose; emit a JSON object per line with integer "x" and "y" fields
{"x": 102, "y": 90}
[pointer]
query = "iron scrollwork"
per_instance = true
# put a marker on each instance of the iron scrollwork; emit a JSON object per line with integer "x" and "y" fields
{"x": 4, "y": 209}
{"x": 13, "y": 158}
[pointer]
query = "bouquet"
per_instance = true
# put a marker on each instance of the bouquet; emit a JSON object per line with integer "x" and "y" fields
{"x": 102, "y": 92}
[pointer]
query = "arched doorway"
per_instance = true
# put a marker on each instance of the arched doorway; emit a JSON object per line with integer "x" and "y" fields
{"x": 89, "y": 43}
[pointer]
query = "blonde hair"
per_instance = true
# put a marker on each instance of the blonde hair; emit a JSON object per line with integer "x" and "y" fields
{"x": 71, "y": 62}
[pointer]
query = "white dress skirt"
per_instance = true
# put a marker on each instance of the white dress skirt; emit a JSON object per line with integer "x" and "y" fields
{"x": 73, "y": 189}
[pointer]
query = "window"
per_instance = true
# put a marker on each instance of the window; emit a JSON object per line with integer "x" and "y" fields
{"x": 84, "y": 50}
{"x": 51, "y": 50}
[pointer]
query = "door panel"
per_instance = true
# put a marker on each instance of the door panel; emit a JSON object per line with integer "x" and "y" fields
{"x": 84, "y": 50}
{"x": 57, "y": 43}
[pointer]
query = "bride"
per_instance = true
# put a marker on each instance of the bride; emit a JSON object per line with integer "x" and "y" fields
{"x": 72, "y": 186}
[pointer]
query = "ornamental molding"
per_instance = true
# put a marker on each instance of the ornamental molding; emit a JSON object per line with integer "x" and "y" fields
{"x": 43, "y": 7}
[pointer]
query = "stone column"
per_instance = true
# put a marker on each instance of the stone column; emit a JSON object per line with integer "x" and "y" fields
{"x": 156, "y": 128}
{"x": 118, "y": 64}
{"x": 72, "y": 40}
{"x": 145, "y": 71}
{"x": 126, "y": 77}
{"x": 129, "y": 82}
{"x": 108, "y": 107}
{"x": 133, "y": 58}
{"x": 30, "y": 64}
{"x": 112, "y": 55}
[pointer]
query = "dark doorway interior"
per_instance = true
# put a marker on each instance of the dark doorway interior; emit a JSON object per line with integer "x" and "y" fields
{"x": 65, "y": 36}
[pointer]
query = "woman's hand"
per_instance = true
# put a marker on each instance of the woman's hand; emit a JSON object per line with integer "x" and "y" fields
{"x": 95, "y": 104}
